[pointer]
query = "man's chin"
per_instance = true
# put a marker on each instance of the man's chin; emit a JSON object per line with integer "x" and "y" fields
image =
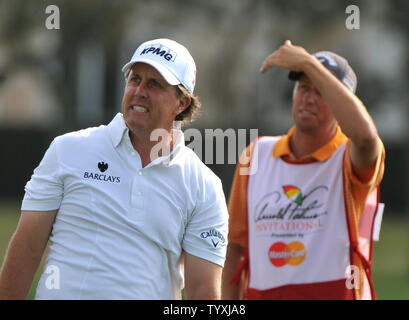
{"x": 135, "y": 123}
{"x": 306, "y": 127}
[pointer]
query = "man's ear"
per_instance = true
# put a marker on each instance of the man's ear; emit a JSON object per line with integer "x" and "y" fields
{"x": 184, "y": 103}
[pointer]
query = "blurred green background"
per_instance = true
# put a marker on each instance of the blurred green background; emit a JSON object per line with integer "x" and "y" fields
{"x": 53, "y": 81}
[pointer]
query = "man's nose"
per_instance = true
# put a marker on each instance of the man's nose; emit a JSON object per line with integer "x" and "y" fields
{"x": 140, "y": 89}
{"x": 310, "y": 97}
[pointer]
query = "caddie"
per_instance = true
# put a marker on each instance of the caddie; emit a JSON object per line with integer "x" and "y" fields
{"x": 303, "y": 218}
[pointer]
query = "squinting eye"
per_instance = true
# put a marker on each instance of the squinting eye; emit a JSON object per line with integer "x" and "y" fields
{"x": 155, "y": 84}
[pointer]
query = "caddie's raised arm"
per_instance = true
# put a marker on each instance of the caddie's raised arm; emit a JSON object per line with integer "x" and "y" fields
{"x": 336, "y": 82}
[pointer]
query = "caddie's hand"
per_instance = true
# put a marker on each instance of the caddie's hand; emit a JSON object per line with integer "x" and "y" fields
{"x": 288, "y": 56}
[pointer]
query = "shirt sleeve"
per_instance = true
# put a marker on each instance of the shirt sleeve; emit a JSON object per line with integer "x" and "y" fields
{"x": 44, "y": 191}
{"x": 357, "y": 191}
{"x": 238, "y": 221}
{"x": 206, "y": 232}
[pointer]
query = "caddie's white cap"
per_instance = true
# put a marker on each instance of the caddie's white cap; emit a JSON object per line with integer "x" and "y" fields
{"x": 172, "y": 60}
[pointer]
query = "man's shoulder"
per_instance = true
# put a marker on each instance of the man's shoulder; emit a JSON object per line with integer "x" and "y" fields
{"x": 82, "y": 135}
{"x": 268, "y": 139}
{"x": 264, "y": 144}
{"x": 194, "y": 163}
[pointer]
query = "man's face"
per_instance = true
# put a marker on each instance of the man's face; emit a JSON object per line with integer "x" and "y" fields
{"x": 310, "y": 112}
{"x": 149, "y": 102}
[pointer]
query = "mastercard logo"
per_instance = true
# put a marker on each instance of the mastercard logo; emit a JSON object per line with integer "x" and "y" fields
{"x": 281, "y": 254}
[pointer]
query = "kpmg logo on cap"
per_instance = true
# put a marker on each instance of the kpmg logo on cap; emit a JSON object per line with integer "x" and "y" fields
{"x": 160, "y": 50}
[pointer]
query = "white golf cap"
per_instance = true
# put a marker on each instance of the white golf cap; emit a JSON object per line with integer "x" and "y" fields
{"x": 172, "y": 60}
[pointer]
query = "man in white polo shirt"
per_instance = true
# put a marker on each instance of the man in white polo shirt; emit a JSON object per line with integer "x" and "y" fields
{"x": 130, "y": 211}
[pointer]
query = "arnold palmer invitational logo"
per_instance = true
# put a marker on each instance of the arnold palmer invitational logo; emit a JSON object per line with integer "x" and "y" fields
{"x": 291, "y": 211}
{"x": 102, "y": 166}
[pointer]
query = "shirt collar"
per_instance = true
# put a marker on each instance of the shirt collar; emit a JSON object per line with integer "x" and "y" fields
{"x": 119, "y": 133}
{"x": 282, "y": 147}
{"x": 117, "y": 129}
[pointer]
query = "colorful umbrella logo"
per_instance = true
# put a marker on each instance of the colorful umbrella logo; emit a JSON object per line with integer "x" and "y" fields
{"x": 294, "y": 194}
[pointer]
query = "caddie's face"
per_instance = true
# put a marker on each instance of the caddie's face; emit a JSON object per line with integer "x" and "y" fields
{"x": 149, "y": 102}
{"x": 310, "y": 111}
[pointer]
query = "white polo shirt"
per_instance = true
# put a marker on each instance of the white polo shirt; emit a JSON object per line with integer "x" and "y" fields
{"x": 120, "y": 228}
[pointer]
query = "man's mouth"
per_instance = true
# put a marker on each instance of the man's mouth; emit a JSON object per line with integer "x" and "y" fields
{"x": 139, "y": 109}
{"x": 305, "y": 112}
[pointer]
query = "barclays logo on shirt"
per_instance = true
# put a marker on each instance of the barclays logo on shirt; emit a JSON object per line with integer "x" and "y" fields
{"x": 102, "y": 166}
